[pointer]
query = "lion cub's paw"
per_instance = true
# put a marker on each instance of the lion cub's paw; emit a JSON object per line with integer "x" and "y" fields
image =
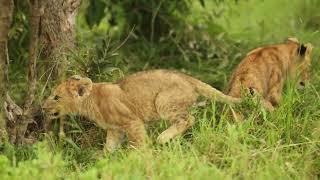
{"x": 163, "y": 138}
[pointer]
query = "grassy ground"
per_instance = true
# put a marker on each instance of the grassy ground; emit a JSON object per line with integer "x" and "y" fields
{"x": 282, "y": 145}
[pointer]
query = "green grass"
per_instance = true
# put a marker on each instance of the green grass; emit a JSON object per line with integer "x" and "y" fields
{"x": 284, "y": 144}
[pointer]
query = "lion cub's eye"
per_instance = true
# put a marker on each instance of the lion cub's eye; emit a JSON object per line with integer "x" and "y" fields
{"x": 56, "y": 98}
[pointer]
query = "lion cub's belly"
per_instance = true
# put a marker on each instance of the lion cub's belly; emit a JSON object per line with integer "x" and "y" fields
{"x": 106, "y": 125}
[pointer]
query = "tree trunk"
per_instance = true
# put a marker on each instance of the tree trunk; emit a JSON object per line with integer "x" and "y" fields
{"x": 57, "y": 34}
{"x": 52, "y": 28}
{"x": 6, "y": 10}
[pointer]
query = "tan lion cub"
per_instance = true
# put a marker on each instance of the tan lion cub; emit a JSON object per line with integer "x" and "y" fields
{"x": 125, "y": 107}
{"x": 265, "y": 69}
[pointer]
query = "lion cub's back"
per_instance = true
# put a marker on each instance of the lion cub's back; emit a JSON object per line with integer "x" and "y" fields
{"x": 261, "y": 68}
{"x": 155, "y": 80}
{"x": 142, "y": 89}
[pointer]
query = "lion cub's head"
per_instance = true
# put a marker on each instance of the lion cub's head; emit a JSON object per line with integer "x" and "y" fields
{"x": 67, "y": 97}
{"x": 302, "y": 64}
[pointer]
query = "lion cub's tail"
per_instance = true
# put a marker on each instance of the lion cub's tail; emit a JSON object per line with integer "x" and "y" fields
{"x": 210, "y": 92}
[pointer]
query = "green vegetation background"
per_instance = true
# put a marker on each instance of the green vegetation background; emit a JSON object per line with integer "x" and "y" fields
{"x": 205, "y": 39}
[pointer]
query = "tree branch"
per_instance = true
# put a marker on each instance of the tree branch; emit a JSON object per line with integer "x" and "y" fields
{"x": 36, "y": 11}
{"x": 33, "y": 52}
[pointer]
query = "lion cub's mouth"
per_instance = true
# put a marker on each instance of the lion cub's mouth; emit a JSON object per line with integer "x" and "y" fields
{"x": 54, "y": 115}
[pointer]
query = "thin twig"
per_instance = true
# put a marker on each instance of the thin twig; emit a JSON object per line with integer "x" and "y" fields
{"x": 49, "y": 76}
{"x": 153, "y": 20}
{"x": 123, "y": 42}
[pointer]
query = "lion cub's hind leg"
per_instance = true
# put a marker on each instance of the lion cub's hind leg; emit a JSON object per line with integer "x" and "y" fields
{"x": 177, "y": 128}
{"x": 114, "y": 139}
{"x": 173, "y": 105}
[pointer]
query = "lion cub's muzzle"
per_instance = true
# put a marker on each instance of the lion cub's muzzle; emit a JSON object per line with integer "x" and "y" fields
{"x": 50, "y": 112}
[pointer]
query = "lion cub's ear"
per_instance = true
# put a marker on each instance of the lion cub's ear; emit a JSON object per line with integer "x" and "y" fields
{"x": 76, "y": 77}
{"x": 305, "y": 49}
{"x": 292, "y": 39}
{"x": 309, "y": 48}
{"x": 82, "y": 86}
{"x": 302, "y": 50}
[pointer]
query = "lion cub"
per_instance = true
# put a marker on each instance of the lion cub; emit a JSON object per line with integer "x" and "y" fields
{"x": 264, "y": 70}
{"x": 124, "y": 107}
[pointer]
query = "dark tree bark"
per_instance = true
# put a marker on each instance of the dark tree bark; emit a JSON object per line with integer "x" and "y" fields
{"x": 57, "y": 34}
{"x": 6, "y": 10}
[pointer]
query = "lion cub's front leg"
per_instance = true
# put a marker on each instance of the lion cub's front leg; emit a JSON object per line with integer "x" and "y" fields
{"x": 61, "y": 128}
{"x": 113, "y": 139}
{"x": 128, "y": 122}
{"x": 136, "y": 132}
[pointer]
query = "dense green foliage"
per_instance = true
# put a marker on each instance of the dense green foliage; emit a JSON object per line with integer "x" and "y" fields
{"x": 205, "y": 39}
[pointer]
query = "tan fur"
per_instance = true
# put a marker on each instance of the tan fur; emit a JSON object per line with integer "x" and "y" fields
{"x": 264, "y": 70}
{"x": 126, "y": 106}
